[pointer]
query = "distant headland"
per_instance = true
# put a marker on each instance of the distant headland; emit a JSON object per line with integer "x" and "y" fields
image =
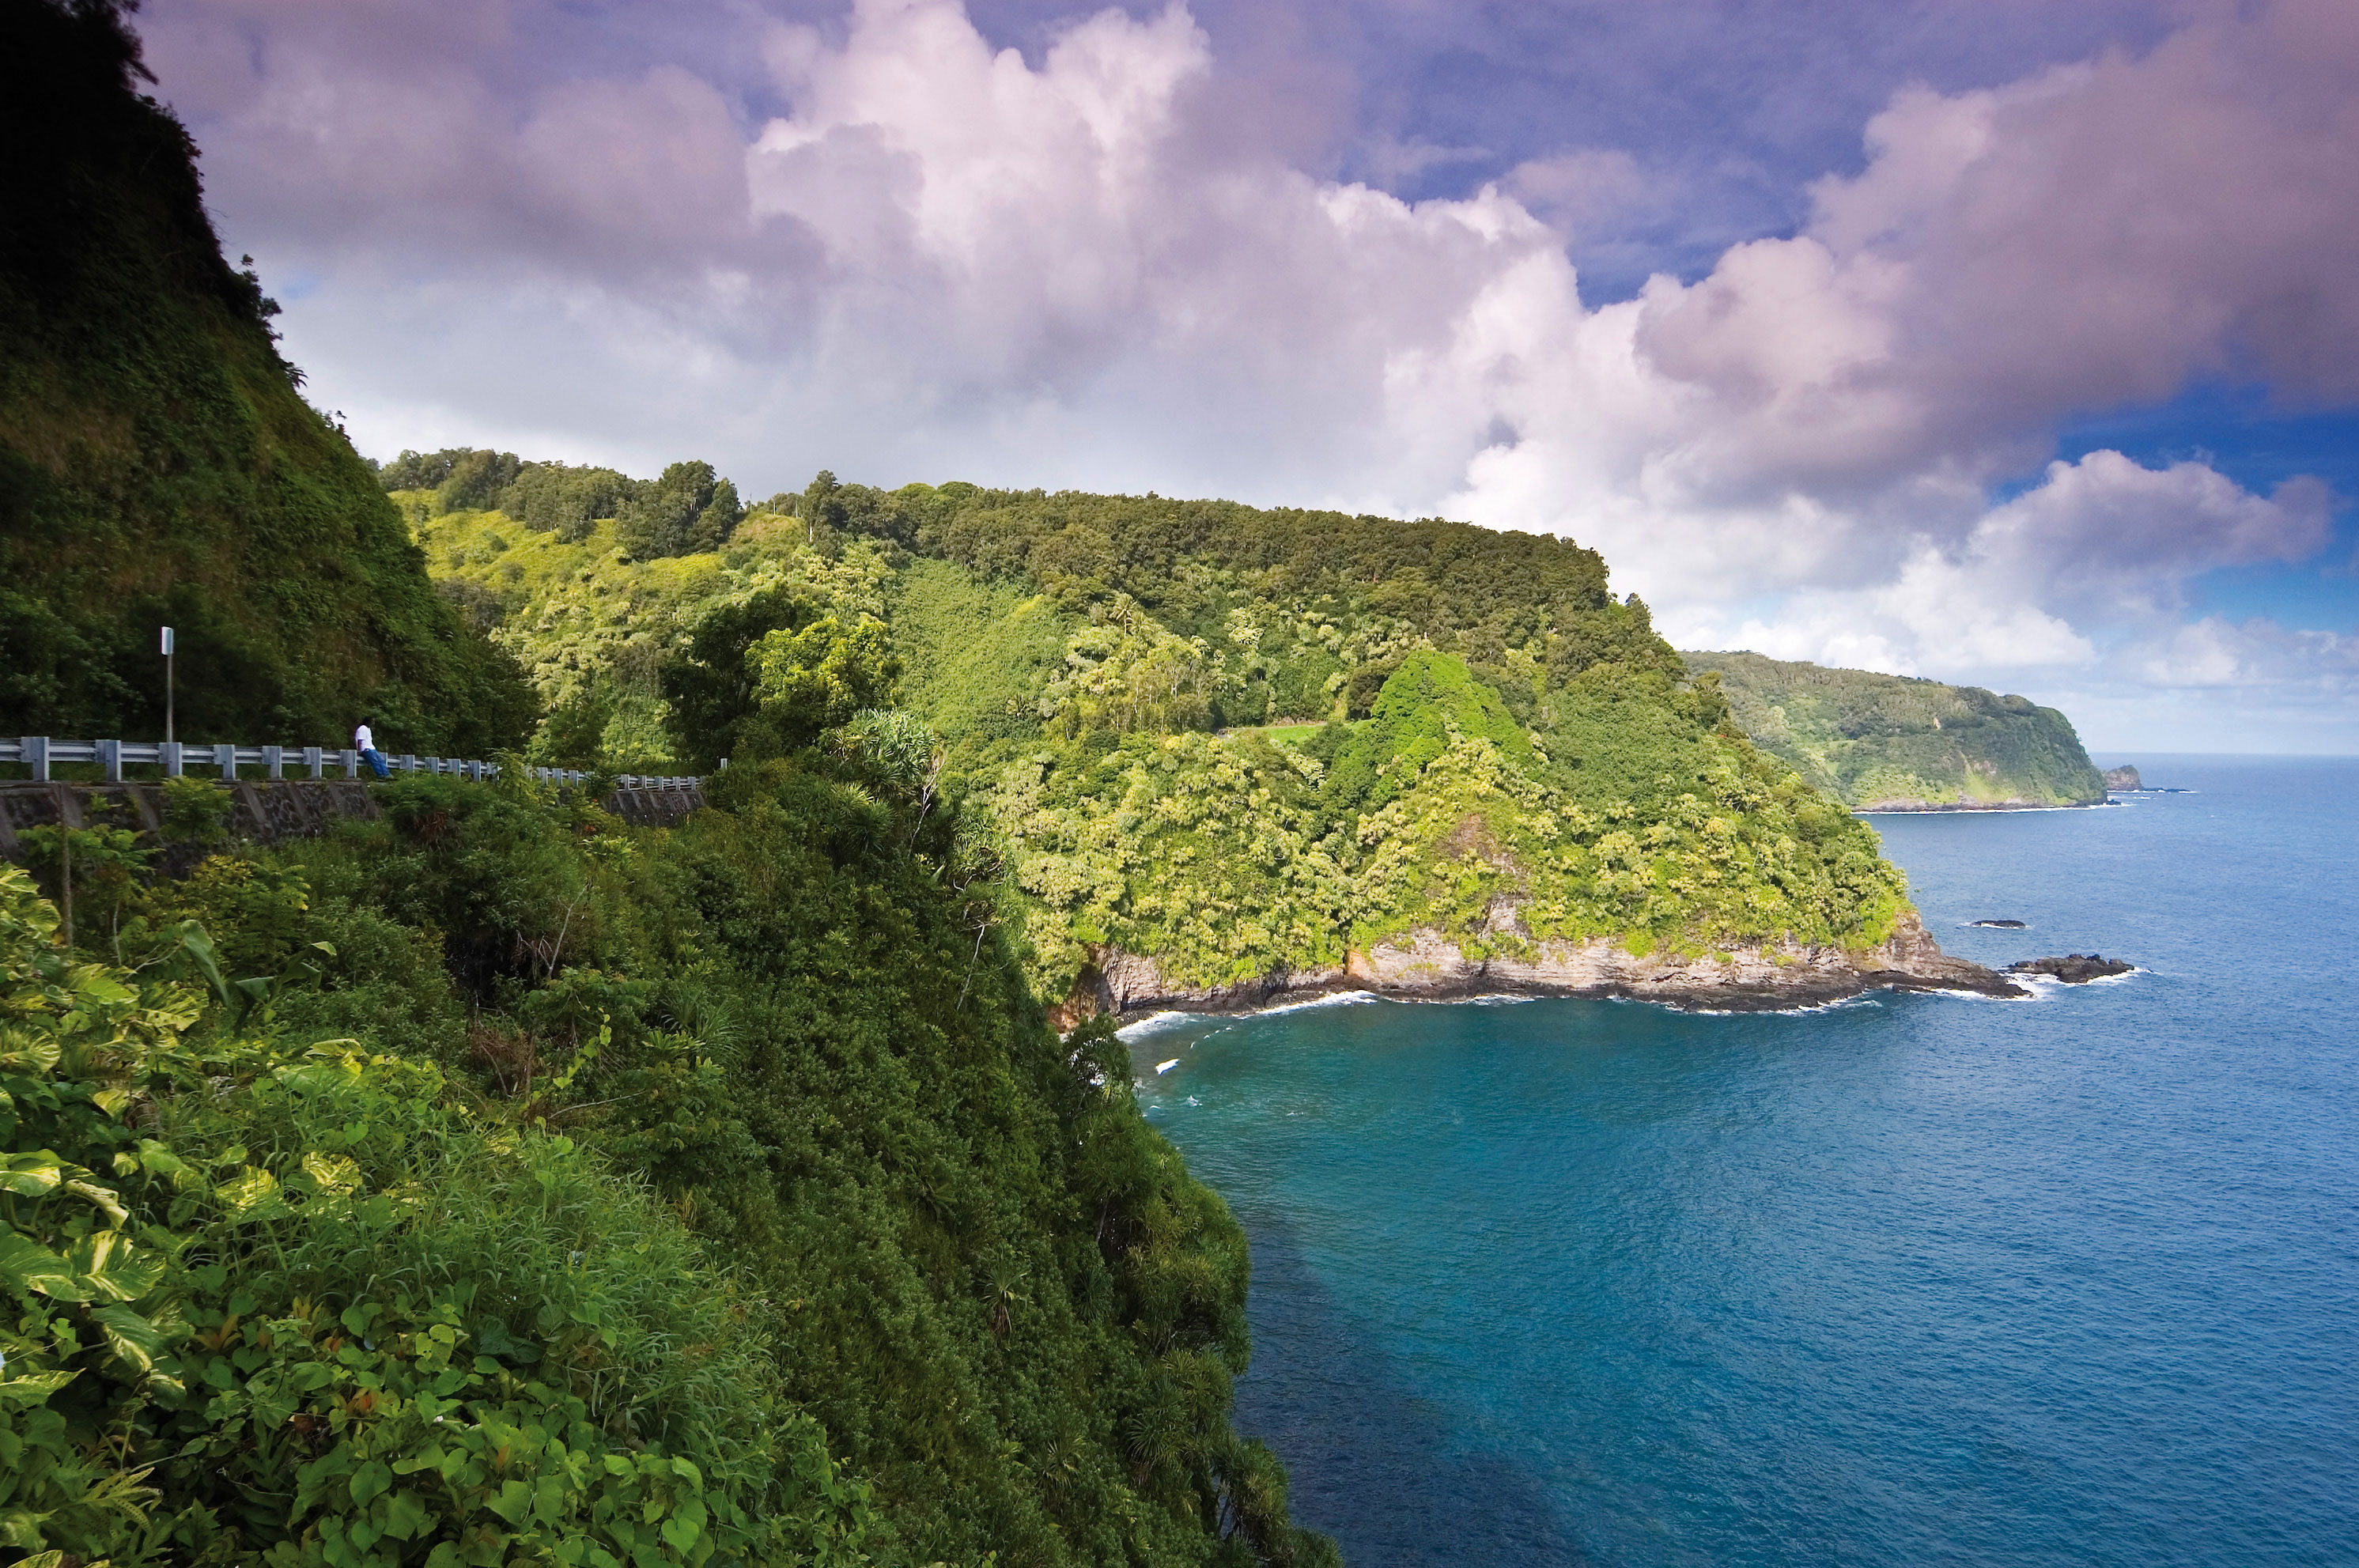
{"x": 1894, "y": 743}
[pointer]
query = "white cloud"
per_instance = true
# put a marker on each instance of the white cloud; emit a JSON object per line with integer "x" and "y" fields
{"x": 944, "y": 260}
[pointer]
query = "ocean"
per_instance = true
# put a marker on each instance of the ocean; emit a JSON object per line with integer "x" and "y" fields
{"x": 1912, "y": 1280}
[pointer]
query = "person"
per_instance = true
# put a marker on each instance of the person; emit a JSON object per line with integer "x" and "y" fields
{"x": 365, "y": 742}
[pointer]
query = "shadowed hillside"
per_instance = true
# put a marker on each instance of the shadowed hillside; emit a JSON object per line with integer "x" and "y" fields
{"x": 158, "y": 466}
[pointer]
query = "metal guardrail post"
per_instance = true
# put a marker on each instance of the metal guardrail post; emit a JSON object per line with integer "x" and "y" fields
{"x": 409, "y": 762}
{"x": 36, "y": 756}
{"x": 351, "y": 762}
{"x": 315, "y": 761}
{"x": 168, "y": 754}
{"x": 109, "y": 758}
{"x": 272, "y": 757}
{"x": 226, "y": 759}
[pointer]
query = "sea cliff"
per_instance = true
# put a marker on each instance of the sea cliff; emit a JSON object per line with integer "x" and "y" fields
{"x": 1892, "y": 743}
{"x": 1430, "y": 966}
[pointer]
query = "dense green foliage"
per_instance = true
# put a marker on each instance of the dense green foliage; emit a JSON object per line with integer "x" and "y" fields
{"x": 272, "y": 1303}
{"x": 422, "y": 1195}
{"x": 686, "y": 507}
{"x": 1237, "y": 742}
{"x": 157, "y": 465}
{"x": 1894, "y": 740}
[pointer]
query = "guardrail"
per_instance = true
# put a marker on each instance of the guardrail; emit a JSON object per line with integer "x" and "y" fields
{"x": 39, "y": 753}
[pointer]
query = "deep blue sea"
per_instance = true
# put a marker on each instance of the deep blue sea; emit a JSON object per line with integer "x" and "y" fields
{"x": 1913, "y": 1280}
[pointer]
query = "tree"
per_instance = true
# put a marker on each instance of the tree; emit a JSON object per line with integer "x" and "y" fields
{"x": 817, "y": 679}
{"x": 687, "y": 508}
{"x": 711, "y": 686}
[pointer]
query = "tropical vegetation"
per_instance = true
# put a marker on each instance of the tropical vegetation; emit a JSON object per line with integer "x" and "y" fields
{"x": 1240, "y": 742}
{"x": 1902, "y": 742}
{"x": 490, "y": 1181}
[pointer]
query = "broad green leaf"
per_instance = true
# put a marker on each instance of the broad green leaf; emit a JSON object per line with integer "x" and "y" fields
{"x": 514, "y": 1502}
{"x": 104, "y": 1197}
{"x": 30, "y": 1052}
{"x": 27, "y": 1265}
{"x": 34, "y": 1387}
{"x": 114, "y": 1268}
{"x": 95, "y": 987}
{"x": 333, "y": 1172}
{"x": 32, "y": 1173}
{"x": 199, "y": 948}
{"x": 408, "y": 1518}
{"x": 159, "y": 1160}
{"x": 131, "y": 1336}
{"x": 370, "y": 1480}
{"x": 248, "y": 1193}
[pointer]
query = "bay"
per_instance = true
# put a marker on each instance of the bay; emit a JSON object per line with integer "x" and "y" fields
{"x": 1915, "y": 1279}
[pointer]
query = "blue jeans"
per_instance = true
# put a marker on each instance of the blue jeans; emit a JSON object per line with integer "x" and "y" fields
{"x": 376, "y": 759}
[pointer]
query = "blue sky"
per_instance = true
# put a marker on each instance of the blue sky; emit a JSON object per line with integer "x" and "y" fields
{"x": 2000, "y": 341}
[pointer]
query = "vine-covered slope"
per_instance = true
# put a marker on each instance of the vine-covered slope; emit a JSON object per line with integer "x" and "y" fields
{"x": 157, "y": 465}
{"x": 1237, "y": 742}
{"x": 1897, "y": 743}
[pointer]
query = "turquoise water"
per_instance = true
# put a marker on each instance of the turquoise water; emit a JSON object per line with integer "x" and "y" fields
{"x": 1920, "y": 1279}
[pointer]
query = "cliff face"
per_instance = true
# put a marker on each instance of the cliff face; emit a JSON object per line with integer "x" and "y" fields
{"x": 1430, "y": 966}
{"x": 157, "y": 465}
{"x": 1888, "y": 743}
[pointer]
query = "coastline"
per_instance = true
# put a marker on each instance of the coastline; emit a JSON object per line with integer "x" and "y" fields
{"x": 1933, "y": 808}
{"x": 1783, "y": 977}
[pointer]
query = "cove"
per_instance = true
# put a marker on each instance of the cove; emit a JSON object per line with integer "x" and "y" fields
{"x": 1912, "y": 1279}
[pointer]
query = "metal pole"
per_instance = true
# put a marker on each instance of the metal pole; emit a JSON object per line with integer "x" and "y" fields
{"x": 168, "y": 684}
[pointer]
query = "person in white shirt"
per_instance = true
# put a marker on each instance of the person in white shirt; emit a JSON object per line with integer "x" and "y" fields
{"x": 365, "y": 742}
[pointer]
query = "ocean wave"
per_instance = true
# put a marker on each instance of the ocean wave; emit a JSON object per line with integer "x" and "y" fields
{"x": 1332, "y": 999}
{"x": 1163, "y": 1067}
{"x": 1155, "y": 1023}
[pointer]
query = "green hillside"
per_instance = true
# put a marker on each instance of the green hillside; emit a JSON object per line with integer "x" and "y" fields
{"x": 1234, "y": 741}
{"x": 1901, "y": 743}
{"x": 157, "y": 465}
{"x": 491, "y": 1182}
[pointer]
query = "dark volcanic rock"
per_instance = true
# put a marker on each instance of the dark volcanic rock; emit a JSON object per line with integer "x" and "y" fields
{"x": 2002, "y": 925}
{"x": 2073, "y": 968}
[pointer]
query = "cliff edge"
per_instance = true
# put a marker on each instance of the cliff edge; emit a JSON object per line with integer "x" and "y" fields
{"x": 1432, "y": 967}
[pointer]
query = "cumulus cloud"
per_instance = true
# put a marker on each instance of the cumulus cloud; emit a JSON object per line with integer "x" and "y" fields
{"x": 940, "y": 258}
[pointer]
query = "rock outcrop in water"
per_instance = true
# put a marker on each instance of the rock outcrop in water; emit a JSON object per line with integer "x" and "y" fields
{"x": 1433, "y": 967}
{"x": 2073, "y": 968}
{"x": 2123, "y": 777}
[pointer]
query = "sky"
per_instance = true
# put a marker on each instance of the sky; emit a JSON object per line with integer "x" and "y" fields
{"x": 1995, "y": 340}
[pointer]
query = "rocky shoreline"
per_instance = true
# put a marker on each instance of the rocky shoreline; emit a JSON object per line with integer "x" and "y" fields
{"x": 1911, "y": 806}
{"x": 1431, "y": 967}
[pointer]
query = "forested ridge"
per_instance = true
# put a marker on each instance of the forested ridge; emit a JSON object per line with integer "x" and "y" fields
{"x": 1891, "y": 740}
{"x": 490, "y": 1181}
{"x": 1238, "y": 742}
